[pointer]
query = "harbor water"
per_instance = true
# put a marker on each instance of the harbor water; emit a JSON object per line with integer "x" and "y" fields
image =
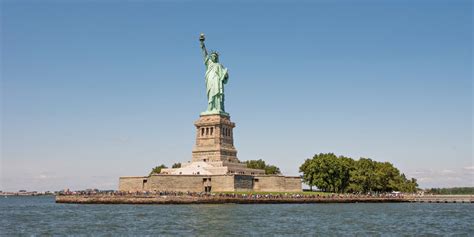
{"x": 42, "y": 216}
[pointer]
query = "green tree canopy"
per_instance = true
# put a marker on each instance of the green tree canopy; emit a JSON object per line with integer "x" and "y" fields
{"x": 327, "y": 172}
{"x": 271, "y": 169}
{"x": 455, "y": 190}
{"x": 308, "y": 173}
{"x": 260, "y": 164}
{"x": 341, "y": 174}
{"x": 176, "y": 165}
{"x": 256, "y": 164}
{"x": 157, "y": 169}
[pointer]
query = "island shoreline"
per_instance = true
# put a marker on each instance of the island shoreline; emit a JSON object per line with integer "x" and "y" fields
{"x": 163, "y": 200}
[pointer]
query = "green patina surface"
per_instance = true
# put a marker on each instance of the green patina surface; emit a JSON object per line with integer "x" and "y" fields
{"x": 216, "y": 77}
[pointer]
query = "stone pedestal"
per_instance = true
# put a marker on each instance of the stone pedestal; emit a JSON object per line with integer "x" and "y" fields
{"x": 214, "y": 152}
{"x": 214, "y": 139}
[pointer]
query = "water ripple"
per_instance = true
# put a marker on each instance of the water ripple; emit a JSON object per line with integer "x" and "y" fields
{"x": 41, "y": 216}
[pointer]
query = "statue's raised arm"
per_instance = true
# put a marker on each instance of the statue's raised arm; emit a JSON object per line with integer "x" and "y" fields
{"x": 203, "y": 46}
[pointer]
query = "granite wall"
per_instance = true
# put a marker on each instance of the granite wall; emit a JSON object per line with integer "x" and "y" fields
{"x": 218, "y": 183}
{"x": 266, "y": 183}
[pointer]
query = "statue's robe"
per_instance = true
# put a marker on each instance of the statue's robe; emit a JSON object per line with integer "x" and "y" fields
{"x": 216, "y": 77}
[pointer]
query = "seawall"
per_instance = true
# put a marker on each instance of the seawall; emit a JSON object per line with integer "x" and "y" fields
{"x": 156, "y": 199}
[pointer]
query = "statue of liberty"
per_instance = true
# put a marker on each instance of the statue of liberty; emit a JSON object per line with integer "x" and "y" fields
{"x": 216, "y": 77}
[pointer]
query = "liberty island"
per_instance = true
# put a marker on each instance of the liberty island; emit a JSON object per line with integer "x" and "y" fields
{"x": 214, "y": 166}
{"x": 216, "y": 175}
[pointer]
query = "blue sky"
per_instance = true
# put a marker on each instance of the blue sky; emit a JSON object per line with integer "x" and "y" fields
{"x": 94, "y": 90}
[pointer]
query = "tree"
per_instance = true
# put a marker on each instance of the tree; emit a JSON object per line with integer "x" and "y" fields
{"x": 407, "y": 185}
{"x": 271, "y": 169}
{"x": 327, "y": 172}
{"x": 362, "y": 177}
{"x": 411, "y": 185}
{"x": 346, "y": 165}
{"x": 157, "y": 169}
{"x": 176, "y": 165}
{"x": 256, "y": 164}
{"x": 343, "y": 174}
{"x": 455, "y": 190}
{"x": 388, "y": 177}
{"x": 260, "y": 164}
{"x": 308, "y": 173}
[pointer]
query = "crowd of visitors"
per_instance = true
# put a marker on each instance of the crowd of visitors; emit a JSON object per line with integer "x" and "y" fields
{"x": 237, "y": 195}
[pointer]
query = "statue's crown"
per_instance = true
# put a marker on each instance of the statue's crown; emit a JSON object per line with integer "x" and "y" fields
{"x": 215, "y": 52}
